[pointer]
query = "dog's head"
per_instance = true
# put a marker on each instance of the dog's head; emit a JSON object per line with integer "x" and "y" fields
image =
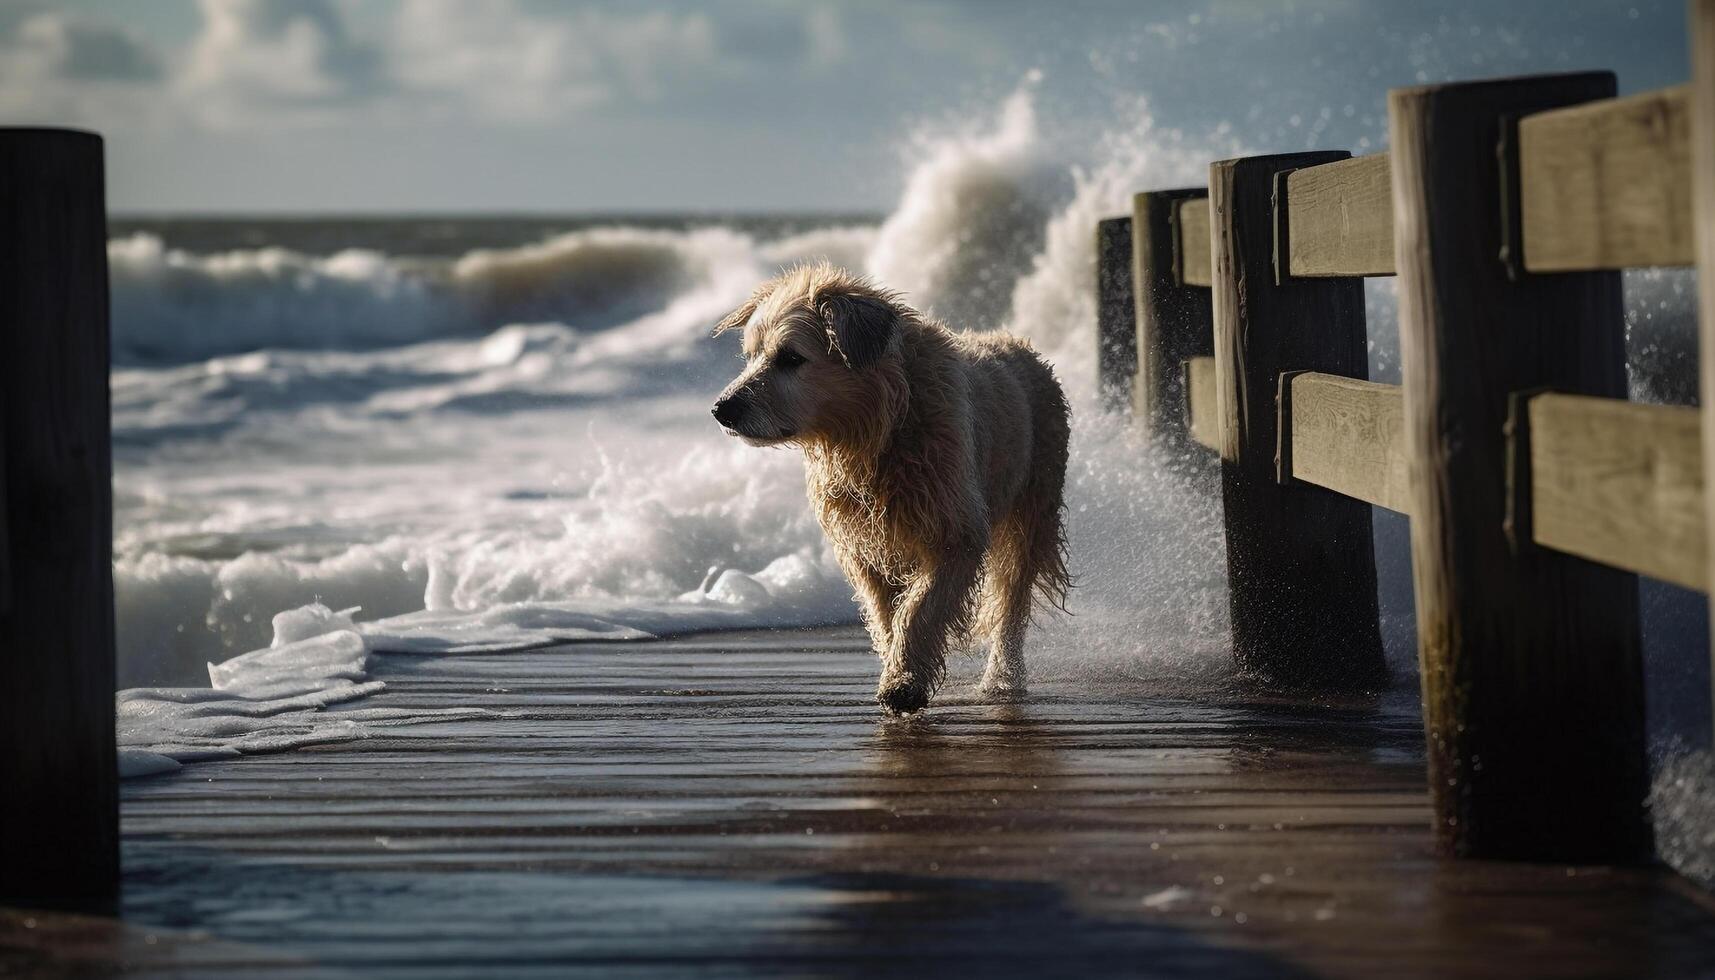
{"x": 815, "y": 340}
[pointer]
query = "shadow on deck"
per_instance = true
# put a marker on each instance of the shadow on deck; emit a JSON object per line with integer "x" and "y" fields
{"x": 733, "y": 805}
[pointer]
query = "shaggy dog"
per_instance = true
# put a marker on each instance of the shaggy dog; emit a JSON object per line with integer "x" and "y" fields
{"x": 935, "y": 462}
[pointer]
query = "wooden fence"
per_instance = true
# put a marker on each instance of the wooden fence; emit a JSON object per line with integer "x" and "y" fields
{"x": 1536, "y": 491}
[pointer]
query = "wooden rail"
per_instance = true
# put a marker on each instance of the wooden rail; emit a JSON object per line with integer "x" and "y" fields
{"x": 1612, "y": 481}
{"x": 1602, "y": 185}
{"x": 1339, "y": 219}
{"x": 1203, "y": 418}
{"x": 1607, "y": 185}
{"x": 1191, "y": 258}
{"x": 1345, "y": 435}
{"x": 1525, "y": 531}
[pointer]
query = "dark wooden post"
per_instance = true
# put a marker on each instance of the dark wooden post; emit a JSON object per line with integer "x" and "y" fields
{"x": 1300, "y": 565}
{"x": 1703, "y": 196}
{"x": 1116, "y": 329}
{"x": 1173, "y": 322}
{"x": 1532, "y": 677}
{"x": 59, "y": 811}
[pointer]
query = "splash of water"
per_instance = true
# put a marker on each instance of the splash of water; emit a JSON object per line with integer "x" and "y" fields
{"x": 972, "y": 215}
{"x": 543, "y": 493}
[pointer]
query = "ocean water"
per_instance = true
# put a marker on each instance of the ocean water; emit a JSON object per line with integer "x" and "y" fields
{"x": 453, "y": 434}
{"x": 339, "y": 437}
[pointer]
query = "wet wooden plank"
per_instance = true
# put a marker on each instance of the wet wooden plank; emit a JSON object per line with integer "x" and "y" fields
{"x": 1200, "y": 402}
{"x": 734, "y": 805}
{"x": 1620, "y": 483}
{"x": 1348, "y": 436}
{"x": 1340, "y": 218}
{"x": 48, "y": 943}
{"x": 1607, "y": 185}
{"x": 1192, "y": 259}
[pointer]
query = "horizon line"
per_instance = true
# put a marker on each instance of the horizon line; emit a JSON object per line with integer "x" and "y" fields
{"x": 197, "y": 214}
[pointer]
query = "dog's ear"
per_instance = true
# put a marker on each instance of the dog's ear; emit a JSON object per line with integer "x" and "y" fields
{"x": 739, "y": 317}
{"x": 859, "y": 327}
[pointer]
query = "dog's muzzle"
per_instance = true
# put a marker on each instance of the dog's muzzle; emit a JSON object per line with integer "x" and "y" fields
{"x": 730, "y": 411}
{"x": 737, "y": 416}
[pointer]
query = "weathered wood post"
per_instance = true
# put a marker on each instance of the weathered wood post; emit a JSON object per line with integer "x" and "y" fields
{"x": 1116, "y": 330}
{"x": 59, "y": 811}
{"x": 1173, "y": 320}
{"x": 1703, "y": 195}
{"x": 1531, "y": 671}
{"x": 1300, "y": 564}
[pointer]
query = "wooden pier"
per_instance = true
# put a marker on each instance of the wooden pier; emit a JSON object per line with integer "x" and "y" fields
{"x": 733, "y": 805}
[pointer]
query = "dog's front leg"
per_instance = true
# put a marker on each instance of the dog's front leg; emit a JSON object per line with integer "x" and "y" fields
{"x": 937, "y": 599}
{"x": 878, "y": 597}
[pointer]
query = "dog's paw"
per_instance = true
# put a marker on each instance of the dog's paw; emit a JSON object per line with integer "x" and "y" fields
{"x": 1001, "y": 692}
{"x": 902, "y": 697}
{"x": 1002, "y": 683}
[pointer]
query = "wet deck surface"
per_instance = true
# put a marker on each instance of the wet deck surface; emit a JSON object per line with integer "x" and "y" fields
{"x": 732, "y": 805}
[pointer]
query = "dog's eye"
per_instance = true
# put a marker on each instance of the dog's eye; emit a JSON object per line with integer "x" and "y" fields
{"x": 788, "y": 359}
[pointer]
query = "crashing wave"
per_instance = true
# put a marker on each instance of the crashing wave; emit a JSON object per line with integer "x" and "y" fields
{"x": 171, "y": 306}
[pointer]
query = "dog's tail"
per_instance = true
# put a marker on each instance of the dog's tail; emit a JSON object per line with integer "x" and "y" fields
{"x": 1045, "y": 515}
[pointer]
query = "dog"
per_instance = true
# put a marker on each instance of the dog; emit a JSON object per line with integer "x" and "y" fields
{"x": 935, "y": 462}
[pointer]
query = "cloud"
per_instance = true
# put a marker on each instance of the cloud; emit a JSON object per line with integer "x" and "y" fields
{"x": 298, "y": 62}
{"x": 772, "y": 37}
{"x": 270, "y": 57}
{"x": 827, "y": 36}
{"x": 509, "y": 65}
{"x": 293, "y": 64}
{"x": 56, "y": 68}
{"x": 70, "y": 48}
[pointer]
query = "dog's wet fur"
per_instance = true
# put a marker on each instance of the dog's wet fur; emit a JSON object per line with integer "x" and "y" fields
{"x": 935, "y": 462}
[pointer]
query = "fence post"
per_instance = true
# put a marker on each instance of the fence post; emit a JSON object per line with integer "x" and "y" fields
{"x": 1703, "y": 194}
{"x": 1116, "y": 330}
{"x": 1531, "y": 670}
{"x": 59, "y": 811}
{"x": 1300, "y": 564}
{"x": 1173, "y": 322}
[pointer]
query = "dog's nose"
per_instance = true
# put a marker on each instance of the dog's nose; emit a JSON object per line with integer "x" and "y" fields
{"x": 728, "y": 411}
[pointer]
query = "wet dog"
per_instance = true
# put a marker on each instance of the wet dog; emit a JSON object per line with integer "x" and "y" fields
{"x": 935, "y": 462}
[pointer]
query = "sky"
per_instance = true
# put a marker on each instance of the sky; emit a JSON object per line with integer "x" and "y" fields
{"x": 558, "y": 106}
